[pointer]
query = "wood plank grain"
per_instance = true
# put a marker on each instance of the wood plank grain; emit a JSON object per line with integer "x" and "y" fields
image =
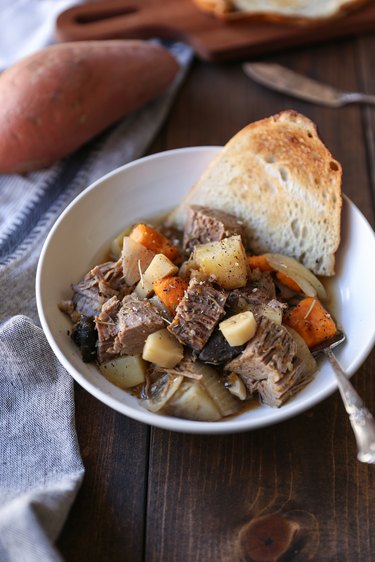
{"x": 210, "y": 489}
{"x": 295, "y": 486}
{"x": 366, "y": 53}
{"x": 106, "y": 522}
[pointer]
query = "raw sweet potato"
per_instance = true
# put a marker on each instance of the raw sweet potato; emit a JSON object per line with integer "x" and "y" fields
{"x": 55, "y": 100}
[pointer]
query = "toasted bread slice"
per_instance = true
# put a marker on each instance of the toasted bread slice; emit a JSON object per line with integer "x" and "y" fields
{"x": 277, "y": 176}
{"x": 280, "y": 11}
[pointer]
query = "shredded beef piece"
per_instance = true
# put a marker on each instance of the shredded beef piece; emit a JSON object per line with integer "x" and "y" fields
{"x": 197, "y": 314}
{"x": 259, "y": 291}
{"x": 86, "y": 298}
{"x": 110, "y": 279}
{"x": 98, "y": 285}
{"x": 275, "y": 393}
{"x": 106, "y": 325}
{"x": 269, "y": 364}
{"x": 270, "y": 352}
{"x": 124, "y": 326}
{"x": 137, "y": 319}
{"x": 258, "y": 296}
{"x": 208, "y": 225}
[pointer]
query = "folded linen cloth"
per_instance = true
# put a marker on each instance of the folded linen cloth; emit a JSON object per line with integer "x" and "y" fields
{"x": 27, "y": 25}
{"x": 40, "y": 465}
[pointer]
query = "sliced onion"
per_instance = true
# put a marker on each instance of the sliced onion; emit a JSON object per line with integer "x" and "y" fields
{"x": 303, "y": 284}
{"x": 135, "y": 260}
{"x": 303, "y": 352}
{"x": 193, "y": 402}
{"x": 221, "y": 396}
{"x": 308, "y": 282}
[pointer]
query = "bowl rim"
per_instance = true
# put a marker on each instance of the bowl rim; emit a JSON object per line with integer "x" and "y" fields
{"x": 232, "y": 425}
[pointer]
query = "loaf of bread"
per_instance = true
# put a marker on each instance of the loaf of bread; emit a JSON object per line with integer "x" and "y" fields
{"x": 280, "y": 11}
{"x": 277, "y": 176}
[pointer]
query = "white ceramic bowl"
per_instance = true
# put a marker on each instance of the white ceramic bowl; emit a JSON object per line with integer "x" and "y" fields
{"x": 150, "y": 186}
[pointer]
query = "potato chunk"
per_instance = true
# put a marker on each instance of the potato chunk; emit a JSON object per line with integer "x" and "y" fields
{"x": 159, "y": 268}
{"x": 125, "y": 371}
{"x": 226, "y": 260}
{"x": 239, "y": 329}
{"x": 163, "y": 349}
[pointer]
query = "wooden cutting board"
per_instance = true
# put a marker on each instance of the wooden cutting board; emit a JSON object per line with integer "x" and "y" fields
{"x": 211, "y": 39}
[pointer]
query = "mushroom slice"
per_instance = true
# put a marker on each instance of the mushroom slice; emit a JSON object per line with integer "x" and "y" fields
{"x": 236, "y": 386}
{"x": 161, "y": 391}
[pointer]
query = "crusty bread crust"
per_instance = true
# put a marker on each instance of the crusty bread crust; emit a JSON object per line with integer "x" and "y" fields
{"x": 277, "y": 176}
{"x": 228, "y": 11}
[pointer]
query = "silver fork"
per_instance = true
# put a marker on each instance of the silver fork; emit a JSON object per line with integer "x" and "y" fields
{"x": 361, "y": 419}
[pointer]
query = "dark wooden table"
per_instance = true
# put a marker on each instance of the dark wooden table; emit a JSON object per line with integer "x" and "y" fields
{"x": 154, "y": 496}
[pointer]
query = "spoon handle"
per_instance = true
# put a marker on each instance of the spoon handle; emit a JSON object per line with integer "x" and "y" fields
{"x": 357, "y": 97}
{"x": 361, "y": 419}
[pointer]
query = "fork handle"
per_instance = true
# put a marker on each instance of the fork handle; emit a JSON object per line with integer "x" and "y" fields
{"x": 361, "y": 419}
{"x": 356, "y": 97}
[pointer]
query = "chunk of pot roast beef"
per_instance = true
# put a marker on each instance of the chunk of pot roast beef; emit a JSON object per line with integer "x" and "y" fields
{"x": 107, "y": 327}
{"x": 276, "y": 393}
{"x": 260, "y": 290}
{"x": 208, "y": 225}
{"x": 98, "y": 285}
{"x": 137, "y": 319}
{"x": 259, "y": 297}
{"x": 198, "y": 313}
{"x": 124, "y": 326}
{"x": 269, "y": 364}
{"x": 86, "y": 298}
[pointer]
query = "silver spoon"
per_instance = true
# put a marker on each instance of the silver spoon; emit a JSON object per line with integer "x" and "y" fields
{"x": 361, "y": 419}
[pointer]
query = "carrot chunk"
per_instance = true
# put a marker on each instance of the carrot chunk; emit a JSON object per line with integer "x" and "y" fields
{"x": 154, "y": 240}
{"x": 170, "y": 291}
{"x": 312, "y": 321}
{"x": 288, "y": 281}
{"x": 259, "y": 262}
